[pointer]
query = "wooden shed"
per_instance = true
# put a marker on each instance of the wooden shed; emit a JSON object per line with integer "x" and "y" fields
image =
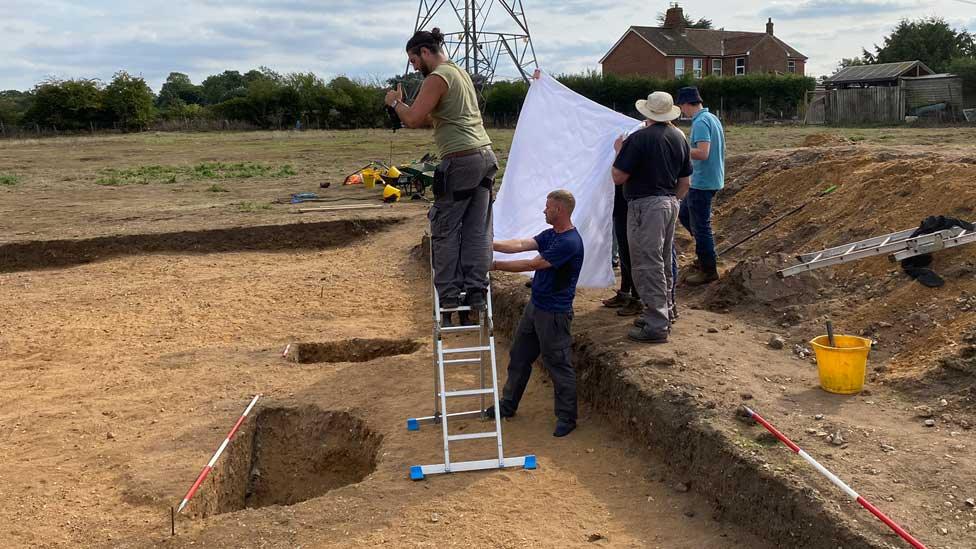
{"x": 886, "y": 94}
{"x": 923, "y": 91}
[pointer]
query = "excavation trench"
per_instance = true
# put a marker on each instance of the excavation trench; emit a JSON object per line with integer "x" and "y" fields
{"x": 679, "y": 432}
{"x": 351, "y": 350}
{"x": 51, "y": 254}
{"x": 286, "y": 456}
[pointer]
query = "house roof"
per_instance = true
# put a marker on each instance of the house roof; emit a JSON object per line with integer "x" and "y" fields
{"x": 703, "y": 42}
{"x": 876, "y": 73}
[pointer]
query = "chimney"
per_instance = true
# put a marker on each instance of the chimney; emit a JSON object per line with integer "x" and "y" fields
{"x": 674, "y": 18}
{"x": 769, "y": 26}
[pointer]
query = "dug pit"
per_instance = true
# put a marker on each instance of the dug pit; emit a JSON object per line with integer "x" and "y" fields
{"x": 286, "y": 456}
{"x": 351, "y": 350}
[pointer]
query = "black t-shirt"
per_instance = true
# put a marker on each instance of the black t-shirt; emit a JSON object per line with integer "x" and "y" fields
{"x": 655, "y": 157}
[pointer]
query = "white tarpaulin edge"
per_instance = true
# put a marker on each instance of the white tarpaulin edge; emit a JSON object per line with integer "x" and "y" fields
{"x": 562, "y": 141}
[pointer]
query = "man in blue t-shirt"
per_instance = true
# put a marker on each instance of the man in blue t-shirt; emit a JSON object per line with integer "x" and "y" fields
{"x": 708, "y": 159}
{"x": 545, "y": 324}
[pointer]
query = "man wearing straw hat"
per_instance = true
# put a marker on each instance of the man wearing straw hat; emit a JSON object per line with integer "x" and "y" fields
{"x": 654, "y": 167}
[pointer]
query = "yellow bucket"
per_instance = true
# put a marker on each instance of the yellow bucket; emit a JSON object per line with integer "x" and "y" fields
{"x": 369, "y": 178}
{"x": 842, "y": 368}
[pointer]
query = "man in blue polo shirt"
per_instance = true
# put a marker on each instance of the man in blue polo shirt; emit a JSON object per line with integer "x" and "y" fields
{"x": 545, "y": 324}
{"x": 708, "y": 159}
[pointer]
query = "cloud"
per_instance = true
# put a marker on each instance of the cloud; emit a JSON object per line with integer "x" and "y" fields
{"x": 365, "y": 38}
{"x": 821, "y": 9}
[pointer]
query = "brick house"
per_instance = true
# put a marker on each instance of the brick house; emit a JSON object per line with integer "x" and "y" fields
{"x": 672, "y": 50}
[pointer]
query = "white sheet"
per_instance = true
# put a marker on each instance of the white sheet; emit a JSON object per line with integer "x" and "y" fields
{"x": 562, "y": 141}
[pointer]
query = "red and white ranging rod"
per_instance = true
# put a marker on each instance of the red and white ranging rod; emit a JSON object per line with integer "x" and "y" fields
{"x": 838, "y": 482}
{"x": 210, "y": 465}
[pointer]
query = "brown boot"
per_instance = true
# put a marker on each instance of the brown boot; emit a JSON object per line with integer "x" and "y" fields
{"x": 702, "y": 276}
{"x": 632, "y": 308}
{"x": 617, "y": 301}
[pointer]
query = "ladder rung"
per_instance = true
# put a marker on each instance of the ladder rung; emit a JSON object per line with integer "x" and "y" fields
{"x": 469, "y": 392}
{"x": 466, "y": 350}
{"x": 456, "y": 309}
{"x": 471, "y": 328}
{"x": 486, "y": 434}
{"x": 463, "y": 361}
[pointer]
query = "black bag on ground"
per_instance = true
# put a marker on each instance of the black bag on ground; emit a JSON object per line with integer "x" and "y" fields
{"x": 917, "y": 267}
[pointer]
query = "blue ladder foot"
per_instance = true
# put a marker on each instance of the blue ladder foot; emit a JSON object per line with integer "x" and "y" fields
{"x": 530, "y": 462}
{"x": 417, "y": 473}
{"x": 413, "y": 425}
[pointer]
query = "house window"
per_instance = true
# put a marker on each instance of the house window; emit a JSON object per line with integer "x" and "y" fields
{"x": 696, "y": 65}
{"x": 679, "y": 67}
{"x": 740, "y": 65}
{"x": 791, "y": 65}
{"x": 717, "y": 67}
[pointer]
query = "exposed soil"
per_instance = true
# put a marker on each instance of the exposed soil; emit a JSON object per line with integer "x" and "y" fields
{"x": 353, "y": 350}
{"x": 122, "y": 372}
{"x": 47, "y": 254}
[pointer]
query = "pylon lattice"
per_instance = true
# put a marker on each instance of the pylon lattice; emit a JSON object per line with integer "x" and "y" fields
{"x": 492, "y": 30}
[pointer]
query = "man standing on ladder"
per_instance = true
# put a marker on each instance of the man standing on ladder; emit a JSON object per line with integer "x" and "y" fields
{"x": 545, "y": 324}
{"x": 460, "y": 218}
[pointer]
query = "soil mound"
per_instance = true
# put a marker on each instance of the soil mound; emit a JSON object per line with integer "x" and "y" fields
{"x": 825, "y": 140}
{"x": 754, "y": 281}
{"x": 877, "y": 191}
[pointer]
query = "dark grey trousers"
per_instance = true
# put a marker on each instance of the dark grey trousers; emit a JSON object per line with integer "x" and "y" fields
{"x": 650, "y": 231}
{"x": 460, "y": 224}
{"x": 542, "y": 332}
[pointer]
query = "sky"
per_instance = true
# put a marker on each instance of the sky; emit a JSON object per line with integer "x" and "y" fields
{"x": 364, "y": 39}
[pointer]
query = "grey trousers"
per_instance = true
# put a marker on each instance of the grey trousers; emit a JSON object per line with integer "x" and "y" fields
{"x": 650, "y": 232}
{"x": 460, "y": 223}
{"x": 542, "y": 332}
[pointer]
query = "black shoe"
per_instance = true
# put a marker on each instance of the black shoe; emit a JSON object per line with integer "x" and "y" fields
{"x": 476, "y": 300}
{"x": 639, "y": 322}
{"x": 563, "y": 428}
{"x": 450, "y": 303}
{"x": 490, "y": 413}
{"x": 644, "y": 335}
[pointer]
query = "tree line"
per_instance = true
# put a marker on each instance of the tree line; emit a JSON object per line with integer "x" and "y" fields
{"x": 262, "y": 98}
{"x": 930, "y": 40}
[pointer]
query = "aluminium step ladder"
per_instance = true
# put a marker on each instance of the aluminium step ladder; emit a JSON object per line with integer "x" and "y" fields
{"x": 460, "y": 357}
{"x": 899, "y": 245}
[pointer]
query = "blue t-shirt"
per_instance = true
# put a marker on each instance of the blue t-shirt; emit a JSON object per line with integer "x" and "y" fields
{"x": 709, "y": 174}
{"x": 553, "y": 289}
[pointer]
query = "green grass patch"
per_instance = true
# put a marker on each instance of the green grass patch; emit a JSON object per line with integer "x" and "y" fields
{"x": 253, "y": 206}
{"x": 145, "y": 175}
{"x": 8, "y": 179}
{"x": 241, "y": 170}
{"x": 215, "y": 188}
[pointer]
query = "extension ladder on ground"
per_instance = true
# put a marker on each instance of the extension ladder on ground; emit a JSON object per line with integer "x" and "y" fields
{"x": 900, "y": 245}
{"x": 461, "y": 357}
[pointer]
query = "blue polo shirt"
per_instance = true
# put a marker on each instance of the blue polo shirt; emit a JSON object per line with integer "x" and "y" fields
{"x": 709, "y": 174}
{"x": 553, "y": 289}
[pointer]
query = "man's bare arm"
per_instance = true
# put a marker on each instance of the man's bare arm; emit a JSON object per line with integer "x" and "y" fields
{"x": 417, "y": 115}
{"x": 522, "y": 265}
{"x": 684, "y": 183}
{"x": 515, "y": 246}
{"x": 700, "y": 150}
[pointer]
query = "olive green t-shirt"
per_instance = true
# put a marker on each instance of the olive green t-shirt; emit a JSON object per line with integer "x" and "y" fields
{"x": 457, "y": 119}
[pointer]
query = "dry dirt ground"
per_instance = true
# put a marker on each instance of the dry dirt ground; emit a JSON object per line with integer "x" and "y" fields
{"x": 127, "y": 356}
{"x": 129, "y": 351}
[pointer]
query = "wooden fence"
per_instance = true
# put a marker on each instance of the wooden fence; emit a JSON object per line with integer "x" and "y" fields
{"x": 865, "y": 106}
